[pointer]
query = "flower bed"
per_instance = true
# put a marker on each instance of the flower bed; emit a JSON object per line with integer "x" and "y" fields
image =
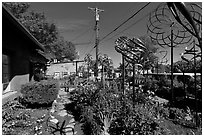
{"x": 105, "y": 111}
{"x": 28, "y": 113}
{"x": 19, "y": 120}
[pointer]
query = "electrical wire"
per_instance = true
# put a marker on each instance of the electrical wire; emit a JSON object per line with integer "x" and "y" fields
{"x": 92, "y": 36}
{"x": 80, "y": 35}
{"x": 125, "y": 21}
{"x": 120, "y": 25}
{"x": 139, "y": 20}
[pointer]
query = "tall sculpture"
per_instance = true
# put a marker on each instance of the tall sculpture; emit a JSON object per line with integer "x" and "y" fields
{"x": 131, "y": 50}
{"x": 172, "y": 24}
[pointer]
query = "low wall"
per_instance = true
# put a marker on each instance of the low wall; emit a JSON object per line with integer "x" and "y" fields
{"x": 16, "y": 82}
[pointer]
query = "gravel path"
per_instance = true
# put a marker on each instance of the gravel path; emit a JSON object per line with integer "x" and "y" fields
{"x": 58, "y": 114}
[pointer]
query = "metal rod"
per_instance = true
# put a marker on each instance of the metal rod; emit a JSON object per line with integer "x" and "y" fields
{"x": 172, "y": 76}
{"x": 102, "y": 71}
{"x": 196, "y": 107}
{"x": 123, "y": 74}
{"x": 76, "y": 69}
{"x": 157, "y": 67}
{"x": 88, "y": 70}
{"x": 133, "y": 84}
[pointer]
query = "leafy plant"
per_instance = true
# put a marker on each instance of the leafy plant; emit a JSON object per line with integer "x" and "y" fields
{"x": 38, "y": 94}
{"x": 97, "y": 107}
{"x": 106, "y": 120}
{"x": 61, "y": 128}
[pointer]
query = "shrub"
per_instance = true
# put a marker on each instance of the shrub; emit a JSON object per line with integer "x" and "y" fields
{"x": 134, "y": 121}
{"x": 39, "y": 93}
{"x": 150, "y": 84}
{"x": 91, "y": 101}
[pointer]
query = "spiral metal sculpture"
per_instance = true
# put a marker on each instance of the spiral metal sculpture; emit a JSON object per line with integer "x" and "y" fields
{"x": 163, "y": 58}
{"x": 160, "y": 24}
{"x": 192, "y": 13}
{"x": 131, "y": 49}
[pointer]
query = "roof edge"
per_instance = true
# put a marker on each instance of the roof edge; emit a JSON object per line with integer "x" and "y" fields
{"x": 25, "y": 30}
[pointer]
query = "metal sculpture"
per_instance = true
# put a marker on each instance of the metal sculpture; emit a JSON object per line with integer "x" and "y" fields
{"x": 131, "y": 50}
{"x": 171, "y": 24}
{"x": 195, "y": 53}
{"x": 163, "y": 53}
{"x": 192, "y": 17}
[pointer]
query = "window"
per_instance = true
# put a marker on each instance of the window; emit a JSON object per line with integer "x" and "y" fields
{"x": 5, "y": 68}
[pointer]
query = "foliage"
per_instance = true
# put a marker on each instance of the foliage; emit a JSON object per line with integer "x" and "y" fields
{"x": 149, "y": 57}
{"x": 18, "y": 120}
{"x": 101, "y": 110}
{"x": 187, "y": 67}
{"x": 107, "y": 64}
{"x": 61, "y": 128}
{"x": 134, "y": 120}
{"x": 103, "y": 60}
{"x": 42, "y": 93}
{"x": 17, "y": 8}
{"x": 150, "y": 84}
{"x": 45, "y": 32}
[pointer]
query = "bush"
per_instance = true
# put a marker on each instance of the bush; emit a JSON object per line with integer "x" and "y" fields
{"x": 150, "y": 84}
{"x": 134, "y": 121}
{"x": 41, "y": 93}
{"x": 91, "y": 101}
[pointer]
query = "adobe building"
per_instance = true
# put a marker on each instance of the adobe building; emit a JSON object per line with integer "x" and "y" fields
{"x": 20, "y": 52}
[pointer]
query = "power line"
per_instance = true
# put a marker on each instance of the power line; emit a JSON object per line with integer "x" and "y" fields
{"x": 125, "y": 21}
{"x": 91, "y": 41}
{"x": 80, "y": 35}
{"x": 122, "y": 24}
{"x": 131, "y": 25}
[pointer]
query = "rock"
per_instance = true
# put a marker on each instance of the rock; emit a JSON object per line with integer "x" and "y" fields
{"x": 62, "y": 113}
{"x": 71, "y": 125}
{"x": 69, "y": 115}
{"x": 72, "y": 120}
{"x": 52, "y": 110}
{"x": 52, "y": 116}
{"x": 69, "y": 131}
{"x": 54, "y": 120}
{"x": 188, "y": 117}
{"x": 71, "y": 89}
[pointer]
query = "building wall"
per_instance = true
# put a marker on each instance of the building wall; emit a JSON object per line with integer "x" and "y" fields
{"x": 19, "y": 47}
{"x": 60, "y": 68}
{"x": 18, "y": 68}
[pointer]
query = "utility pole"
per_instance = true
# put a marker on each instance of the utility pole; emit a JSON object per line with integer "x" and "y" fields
{"x": 96, "y": 11}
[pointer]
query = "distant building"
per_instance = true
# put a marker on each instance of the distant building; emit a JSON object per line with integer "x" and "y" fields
{"x": 20, "y": 52}
{"x": 60, "y": 70}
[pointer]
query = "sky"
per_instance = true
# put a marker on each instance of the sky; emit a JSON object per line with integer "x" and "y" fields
{"x": 76, "y": 24}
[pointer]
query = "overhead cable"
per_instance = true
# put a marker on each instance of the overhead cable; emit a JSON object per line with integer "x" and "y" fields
{"x": 125, "y": 21}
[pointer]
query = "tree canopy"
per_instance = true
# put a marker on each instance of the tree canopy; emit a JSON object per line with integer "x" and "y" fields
{"x": 43, "y": 30}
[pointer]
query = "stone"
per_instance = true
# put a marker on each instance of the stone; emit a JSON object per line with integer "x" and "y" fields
{"x": 71, "y": 89}
{"x": 69, "y": 115}
{"x": 71, "y": 125}
{"x": 54, "y": 120}
{"x": 52, "y": 110}
{"x": 52, "y": 116}
{"x": 60, "y": 106}
{"x": 62, "y": 113}
{"x": 72, "y": 120}
{"x": 188, "y": 118}
{"x": 69, "y": 131}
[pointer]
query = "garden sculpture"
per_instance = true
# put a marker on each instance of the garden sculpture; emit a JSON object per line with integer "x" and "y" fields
{"x": 171, "y": 24}
{"x": 131, "y": 50}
